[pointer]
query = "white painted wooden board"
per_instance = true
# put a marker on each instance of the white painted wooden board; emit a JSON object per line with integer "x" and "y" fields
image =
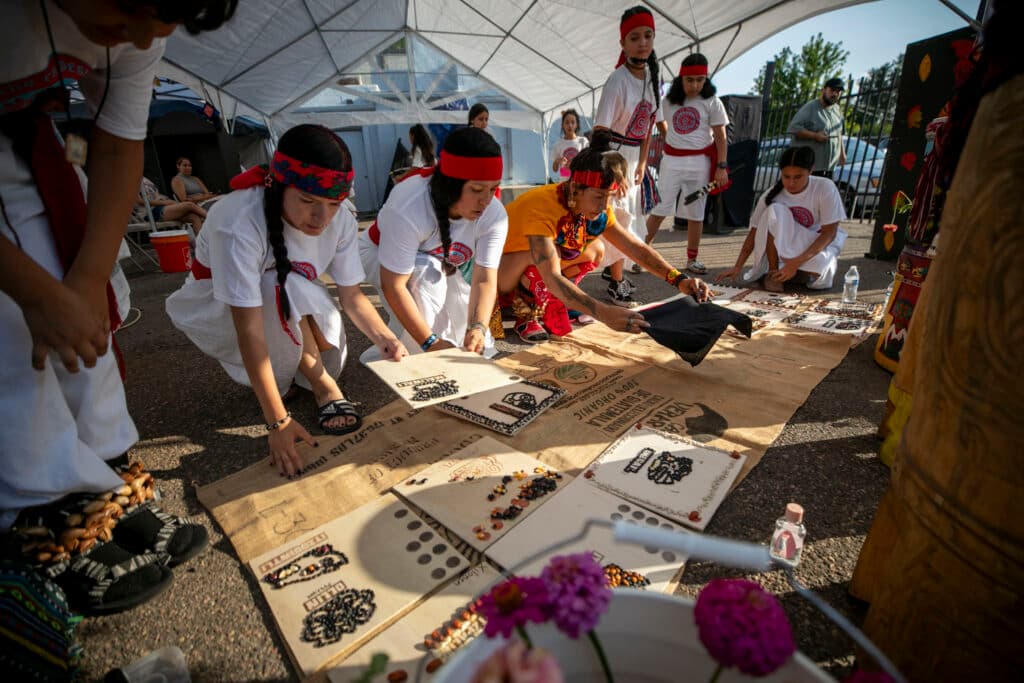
{"x": 428, "y": 378}
{"x": 455, "y": 491}
{"x": 682, "y": 479}
{"x": 507, "y": 409}
{"x": 382, "y": 547}
{"x": 563, "y": 517}
{"x": 403, "y": 641}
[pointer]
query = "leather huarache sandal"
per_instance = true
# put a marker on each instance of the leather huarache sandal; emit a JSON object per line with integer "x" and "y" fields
{"x": 338, "y": 408}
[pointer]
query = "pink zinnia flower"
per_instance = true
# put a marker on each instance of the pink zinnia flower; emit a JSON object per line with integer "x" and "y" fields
{"x": 512, "y": 603}
{"x": 515, "y": 664}
{"x": 743, "y": 625}
{"x": 578, "y": 592}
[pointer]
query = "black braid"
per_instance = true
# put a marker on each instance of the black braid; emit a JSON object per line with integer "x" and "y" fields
{"x": 801, "y": 157}
{"x": 273, "y": 205}
{"x": 652, "y": 65}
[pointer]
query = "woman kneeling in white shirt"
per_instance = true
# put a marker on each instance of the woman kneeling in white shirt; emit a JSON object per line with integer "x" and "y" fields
{"x": 240, "y": 306}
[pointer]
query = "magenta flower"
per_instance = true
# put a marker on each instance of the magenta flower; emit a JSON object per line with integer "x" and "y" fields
{"x": 743, "y": 625}
{"x": 862, "y": 676}
{"x": 578, "y": 592}
{"x": 512, "y": 603}
{"x": 513, "y": 663}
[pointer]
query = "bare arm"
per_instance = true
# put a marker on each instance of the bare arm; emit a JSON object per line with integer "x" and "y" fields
{"x": 395, "y": 288}
{"x": 722, "y": 149}
{"x": 253, "y": 347}
{"x": 178, "y": 188}
{"x": 369, "y": 322}
{"x": 745, "y": 251}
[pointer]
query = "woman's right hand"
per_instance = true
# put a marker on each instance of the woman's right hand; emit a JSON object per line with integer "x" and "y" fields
{"x": 730, "y": 274}
{"x": 283, "y": 452}
{"x": 623, "y": 319}
{"x": 63, "y": 320}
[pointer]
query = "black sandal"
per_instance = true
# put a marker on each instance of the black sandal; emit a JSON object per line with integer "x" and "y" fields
{"x": 148, "y": 528}
{"x": 338, "y": 408}
{"x": 108, "y": 579}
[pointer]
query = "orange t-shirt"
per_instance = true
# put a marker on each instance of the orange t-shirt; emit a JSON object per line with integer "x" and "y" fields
{"x": 542, "y": 211}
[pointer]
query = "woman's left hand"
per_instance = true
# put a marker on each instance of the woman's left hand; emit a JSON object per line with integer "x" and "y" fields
{"x": 475, "y": 340}
{"x": 392, "y": 349}
{"x": 721, "y": 177}
{"x": 696, "y": 288}
{"x": 786, "y": 272}
{"x": 639, "y": 175}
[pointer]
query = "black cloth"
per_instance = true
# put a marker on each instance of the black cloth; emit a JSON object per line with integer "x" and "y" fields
{"x": 691, "y": 329}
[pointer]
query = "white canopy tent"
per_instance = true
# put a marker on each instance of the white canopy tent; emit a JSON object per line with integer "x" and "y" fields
{"x": 275, "y": 55}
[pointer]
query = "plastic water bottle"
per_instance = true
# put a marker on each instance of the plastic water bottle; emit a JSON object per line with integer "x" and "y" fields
{"x": 166, "y": 665}
{"x": 850, "y": 284}
{"x": 788, "y": 538}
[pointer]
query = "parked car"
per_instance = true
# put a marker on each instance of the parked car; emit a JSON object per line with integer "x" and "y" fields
{"x": 859, "y": 179}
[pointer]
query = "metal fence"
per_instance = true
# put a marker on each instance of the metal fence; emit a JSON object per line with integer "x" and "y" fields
{"x": 868, "y": 112}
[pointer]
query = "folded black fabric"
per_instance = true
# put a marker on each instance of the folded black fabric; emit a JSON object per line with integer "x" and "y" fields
{"x": 691, "y": 329}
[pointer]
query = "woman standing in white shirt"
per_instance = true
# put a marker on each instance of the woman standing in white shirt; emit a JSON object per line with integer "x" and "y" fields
{"x": 568, "y": 146}
{"x": 629, "y": 109}
{"x": 253, "y": 300}
{"x": 434, "y": 251}
{"x": 422, "y": 147}
{"x": 695, "y": 152}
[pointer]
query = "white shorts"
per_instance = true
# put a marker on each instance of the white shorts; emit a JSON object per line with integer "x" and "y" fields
{"x": 678, "y": 177}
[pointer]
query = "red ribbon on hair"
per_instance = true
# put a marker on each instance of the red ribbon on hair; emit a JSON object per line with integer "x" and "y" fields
{"x": 593, "y": 179}
{"x": 635, "y": 21}
{"x": 693, "y": 70}
{"x": 470, "y": 168}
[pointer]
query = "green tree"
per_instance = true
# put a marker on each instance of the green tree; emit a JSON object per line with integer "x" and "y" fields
{"x": 872, "y": 107}
{"x": 798, "y": 77}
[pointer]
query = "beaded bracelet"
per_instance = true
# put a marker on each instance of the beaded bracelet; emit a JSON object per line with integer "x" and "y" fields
{"x": 428, "y": 342}
{"x": 274, "y": 426}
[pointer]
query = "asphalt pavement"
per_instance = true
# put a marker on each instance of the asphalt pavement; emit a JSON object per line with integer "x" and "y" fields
{"x": 197, "y": 426}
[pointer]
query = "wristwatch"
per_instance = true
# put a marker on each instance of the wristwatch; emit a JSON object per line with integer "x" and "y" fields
{"x": 722, "y": 164}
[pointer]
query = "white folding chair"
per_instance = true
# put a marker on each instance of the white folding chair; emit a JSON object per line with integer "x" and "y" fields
{"x": 151, "y": 225}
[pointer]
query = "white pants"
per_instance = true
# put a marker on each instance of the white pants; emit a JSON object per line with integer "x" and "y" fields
{"x": 791, "y": 240}
{"x": 627, "y": 209}
{"x": 442, "y": 300}
{"x": 59, "y": 428}
{"x": 208, "y": 323}
{"x": 678, "y": 177}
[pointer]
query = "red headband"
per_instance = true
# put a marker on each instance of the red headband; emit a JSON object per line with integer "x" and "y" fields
{"x": 638, "y": 19}
{"x": 693, "y": 70}
{"x": 470, "y": 168}
{"x": 309, "y": 178}
{"x": 593, "y": 179}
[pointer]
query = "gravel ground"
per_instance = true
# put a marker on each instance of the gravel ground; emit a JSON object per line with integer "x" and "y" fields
{"x": 197, "y": 426}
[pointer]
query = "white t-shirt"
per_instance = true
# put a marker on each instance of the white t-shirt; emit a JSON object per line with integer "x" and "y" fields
{"x": 819, "y": 204}
{"x": 27, "y": 70}
{"x": 627, "y": 104}
{"x": 417, "y": 158}
{"x": 408, "y": 226}
{"x": 689, "y": 123}
{"x": 233, "y": 245}
{"x": 568, "y": 148}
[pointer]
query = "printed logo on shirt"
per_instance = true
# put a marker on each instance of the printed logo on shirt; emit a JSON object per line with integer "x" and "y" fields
{"x": 685, "y": 120}
{"x": 458, "y": 253}
{"x": 306, "y": 270}
{"x": 570, "y": 153}
{"x": 802, "y": 216}
{"x": 19, "y": 94}
{"x": 640, "y": 124}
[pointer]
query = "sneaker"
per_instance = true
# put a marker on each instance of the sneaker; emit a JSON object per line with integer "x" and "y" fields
{"x": 636, "y": 268}
{"x": 606, "y": 274}
{"x": 531, "y": 332}
{"x": 621, "y": 294}
{"x": 695, "y": 266}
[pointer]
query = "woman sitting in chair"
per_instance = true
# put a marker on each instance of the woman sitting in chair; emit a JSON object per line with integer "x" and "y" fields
{"x": 166, "y": 209}
{"x": 187, "y": 187}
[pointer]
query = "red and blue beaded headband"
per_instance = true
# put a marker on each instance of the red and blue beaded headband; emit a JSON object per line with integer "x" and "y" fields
{"x": 310, "y": 178}
{"x": 470, "y": 168}
{"x": 693, "y": 70}
{"x": 593, "y": 179}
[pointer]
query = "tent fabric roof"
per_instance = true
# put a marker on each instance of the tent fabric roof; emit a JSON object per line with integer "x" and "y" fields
{"x": 546, "y": 54}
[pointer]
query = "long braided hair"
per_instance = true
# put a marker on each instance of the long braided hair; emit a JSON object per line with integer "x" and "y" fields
{"x": 801, "y": 157}
{"x": 445, "y": 191}
{"x": 652, "y": 59}
{"x": 315, "y": 145}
